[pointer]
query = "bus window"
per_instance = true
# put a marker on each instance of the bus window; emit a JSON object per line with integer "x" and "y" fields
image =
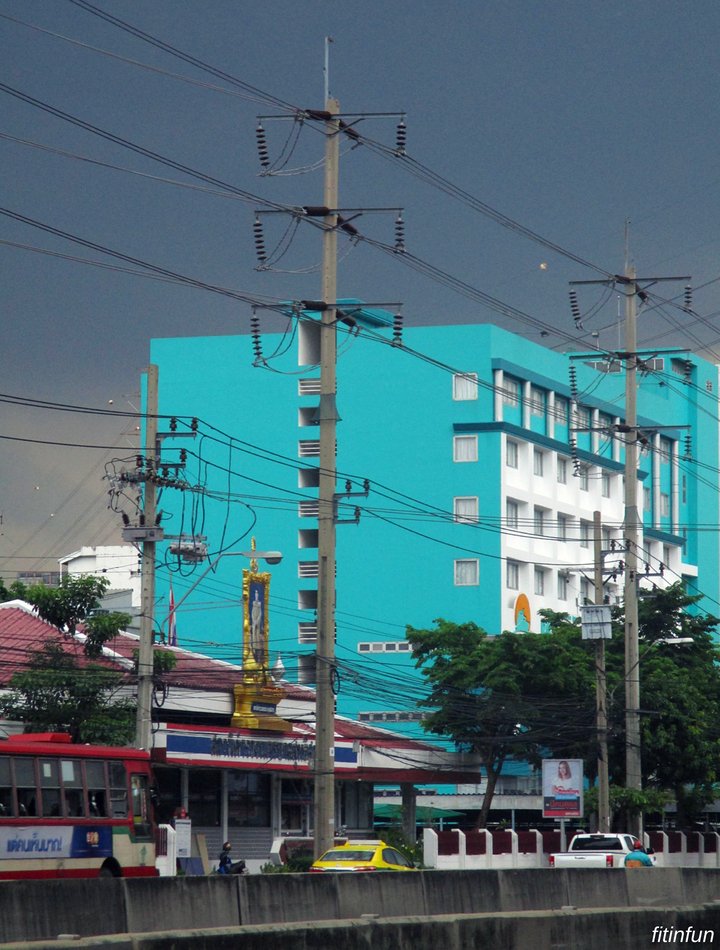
{"x": 140, "y": 807}
{"x": 97, "y": 792}
{"x": 118, "y": 790}
{"x": 72, "y": 810}
{"x": 72, "y": 787}
{"x": 26, "y": 786}
{"x": 6, "y": 795}
{"x": 50, "y": 780}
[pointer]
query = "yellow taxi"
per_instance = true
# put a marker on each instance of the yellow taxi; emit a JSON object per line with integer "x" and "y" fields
{"x": 363, "y": 856}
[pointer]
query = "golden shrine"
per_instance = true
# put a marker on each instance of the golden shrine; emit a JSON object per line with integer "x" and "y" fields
{"x": 257, "y": 696}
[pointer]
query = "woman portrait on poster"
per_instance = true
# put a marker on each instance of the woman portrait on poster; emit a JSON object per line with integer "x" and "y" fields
{"x": 564, "y": 779}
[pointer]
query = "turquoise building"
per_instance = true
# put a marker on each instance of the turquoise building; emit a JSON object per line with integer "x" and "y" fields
{"x": 470, "y": 463}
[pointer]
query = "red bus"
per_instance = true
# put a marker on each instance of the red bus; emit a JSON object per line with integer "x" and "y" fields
{"x": 70, "y": 810}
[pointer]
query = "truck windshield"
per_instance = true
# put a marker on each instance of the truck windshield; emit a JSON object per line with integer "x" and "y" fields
{"x": 596, "y": 844}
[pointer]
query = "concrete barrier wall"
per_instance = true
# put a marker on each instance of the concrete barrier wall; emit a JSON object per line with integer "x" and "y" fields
{"x": 536, "y": 930}
{"x": 448, "y": 892}
{"x": 39, "y": 910}
{"x": 283, "y": 898}
{"x": 35, "y": 910}
{"x": 180, "y": 902}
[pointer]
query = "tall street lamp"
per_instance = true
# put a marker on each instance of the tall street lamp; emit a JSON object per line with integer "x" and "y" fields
{"x": 271, "y": 557}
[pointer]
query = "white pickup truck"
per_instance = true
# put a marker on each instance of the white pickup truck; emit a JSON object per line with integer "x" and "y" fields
{"x": 596, "y": 851}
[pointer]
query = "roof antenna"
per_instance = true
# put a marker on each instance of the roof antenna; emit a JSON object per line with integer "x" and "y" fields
{"x": 326, "y": 68}
{"x": 627, "y": 244}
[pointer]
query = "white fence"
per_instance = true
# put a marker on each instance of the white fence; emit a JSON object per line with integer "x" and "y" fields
{"x": 530, "y": 849}
{"x": 166, "y": 851}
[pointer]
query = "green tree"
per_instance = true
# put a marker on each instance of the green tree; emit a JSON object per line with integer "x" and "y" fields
{"x": 679, "y": 699}
{"x": 56, "y": 694}
{"x": 15, "y": 591}
{"x": 530, "y": 696}
{"x": 508, "y": 696}
{"x": 679, "y": 703}
{"x": 74, "y": 601}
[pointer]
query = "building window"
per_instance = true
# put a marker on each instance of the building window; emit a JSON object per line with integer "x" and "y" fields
{"x": 308, "y": 448}
{"x": 562, "y": 470}
{"x": 605, "y": 484}
{"x": 539, "y": 582}
{"x": 306, "y": 669}
{"x": 583, "y": 475}
{"x": 465, "y": 386}
{"x": 538, "y": 461}
{"x": 583, "y": 417}
{"x": 467, "y": 573}
{"x": 512, "y": 575}
{"x": 387, "y": 646}
{"x": 562, "y": 410}
{"x": 562, "y": 585}
{"x": 308, "y": 569}
{"x": 512, "y": 511}
{"x": 584, "y": 534}
{"x": 647, "y": 499}
{"x": 537, "y": 401}
{"x": 539, "y": 518}
{"x": 605, "y": 422}
{"x": 391, "y": 716}
{"x": 465, "y": 509}
{"x": 562, "y": 521}
{"x": 584, "y": 590}
{"x": 511, "y": 391}
{"x": 666, "y": 556}
{"x": 511, "y": 454}
{"x": 309, "y": 387}
{"x": 465, "y": 448}
{"x": 664, "y": 505}
{"x": 307, "y": 632}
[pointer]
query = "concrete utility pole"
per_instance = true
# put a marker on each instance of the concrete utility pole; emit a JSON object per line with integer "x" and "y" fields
{"x": 601, "y": 691}
{"x": 632, "y": 525}
{"x": 145, "y": 653}
{"x": 324, "y": 802}
{"x": 633, "y": 769}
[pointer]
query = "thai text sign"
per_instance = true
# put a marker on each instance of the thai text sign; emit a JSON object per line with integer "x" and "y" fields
{"x": 55, "y": 841}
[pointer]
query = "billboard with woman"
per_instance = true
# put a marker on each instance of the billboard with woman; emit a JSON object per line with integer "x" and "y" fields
{"x": 562, "y": 781}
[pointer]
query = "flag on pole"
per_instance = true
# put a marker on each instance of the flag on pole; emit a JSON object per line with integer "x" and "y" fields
{"x": 172, "y": 631}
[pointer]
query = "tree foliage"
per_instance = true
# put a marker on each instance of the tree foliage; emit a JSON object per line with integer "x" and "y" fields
{"x": 56, "y": 694}
{"x": 15, "y": 591}
{"x": 532, "y": 696}
{"x": 74, "y": 601}
{"x": 679, "y": 698}
{"x": 509, "y": 696}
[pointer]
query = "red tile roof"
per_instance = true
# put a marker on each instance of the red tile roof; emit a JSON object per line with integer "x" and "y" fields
{"x": 22, "y": 632}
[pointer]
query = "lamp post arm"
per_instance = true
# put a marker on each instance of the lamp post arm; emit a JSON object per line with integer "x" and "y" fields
{"x": 273, "y": 557}
{"x": 204, "y": 574}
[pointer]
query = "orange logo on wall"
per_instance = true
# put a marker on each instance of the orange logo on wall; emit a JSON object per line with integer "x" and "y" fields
{"x": 522, "y": 613}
